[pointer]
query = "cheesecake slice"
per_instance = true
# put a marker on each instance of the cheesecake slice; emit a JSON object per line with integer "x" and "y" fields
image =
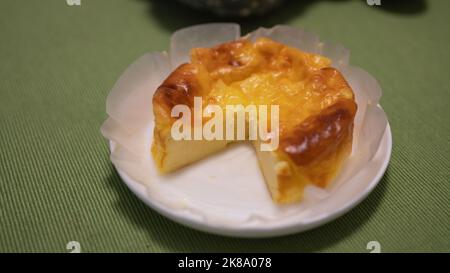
{"x": 316, "y": 111}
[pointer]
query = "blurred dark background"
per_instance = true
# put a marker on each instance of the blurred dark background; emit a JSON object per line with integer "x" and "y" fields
{"x": 174, "y": 14}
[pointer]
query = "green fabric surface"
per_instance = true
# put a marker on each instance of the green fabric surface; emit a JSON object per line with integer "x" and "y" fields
{"x": 58, "y": 63}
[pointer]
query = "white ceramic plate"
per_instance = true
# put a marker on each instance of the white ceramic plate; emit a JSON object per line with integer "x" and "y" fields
{"x": 293, "y": 224}
{"x": 226, "y": 193}
{"x": 373, "y": 172}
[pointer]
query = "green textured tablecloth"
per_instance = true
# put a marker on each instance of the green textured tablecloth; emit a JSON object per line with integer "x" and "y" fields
{"x": 58, "y": 63}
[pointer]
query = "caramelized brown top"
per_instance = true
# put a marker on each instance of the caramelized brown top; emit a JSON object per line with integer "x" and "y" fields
{"x": 320, "y": 134}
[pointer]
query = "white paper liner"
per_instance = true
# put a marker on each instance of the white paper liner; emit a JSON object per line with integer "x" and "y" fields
{"x": 219, "y": 190}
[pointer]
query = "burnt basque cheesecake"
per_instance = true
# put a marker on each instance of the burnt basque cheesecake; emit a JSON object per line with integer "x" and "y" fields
{"x": 316, "y": 111}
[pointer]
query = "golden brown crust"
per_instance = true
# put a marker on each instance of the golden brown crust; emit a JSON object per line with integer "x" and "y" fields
{"x": 226, "y": 55}
{"x": 320, "y": 134}
{"x": 329, "y": 80}
{"x": 229, "y": 62}
{"x": 179, "y": 88}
